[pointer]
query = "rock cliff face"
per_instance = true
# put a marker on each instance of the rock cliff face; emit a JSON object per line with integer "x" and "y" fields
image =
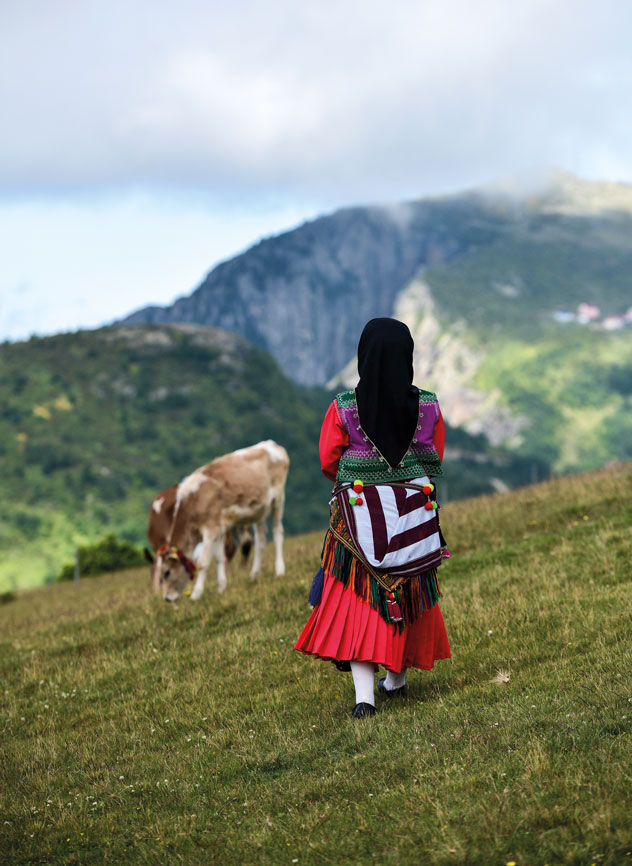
{"x": 484, "y": 280}
{"x": 305, "y": 295}
{"x": 447, "y": 361}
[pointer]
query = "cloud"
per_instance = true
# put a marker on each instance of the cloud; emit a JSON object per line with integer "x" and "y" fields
{"x": 338, "y": 99}
{"x": 144, "y": 141}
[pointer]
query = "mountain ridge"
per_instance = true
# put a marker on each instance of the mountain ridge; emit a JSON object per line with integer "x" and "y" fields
{"x": 477, "y": 276}
{"x": 297, "y": 294}
{"x": 305, "y": 294}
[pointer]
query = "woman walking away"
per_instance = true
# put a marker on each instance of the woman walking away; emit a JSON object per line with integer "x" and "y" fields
{"x": 375, "y": 595}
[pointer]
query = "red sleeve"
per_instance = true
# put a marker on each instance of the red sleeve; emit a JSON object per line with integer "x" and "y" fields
{"x": 334, "y": 439}
{"x": 438, "y": 437}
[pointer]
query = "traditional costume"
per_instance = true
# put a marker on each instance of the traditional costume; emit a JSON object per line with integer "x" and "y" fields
{"x": 375, "y": 595}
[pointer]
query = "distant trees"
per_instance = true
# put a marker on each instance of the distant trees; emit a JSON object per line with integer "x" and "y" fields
{"x": 109, "y": 554}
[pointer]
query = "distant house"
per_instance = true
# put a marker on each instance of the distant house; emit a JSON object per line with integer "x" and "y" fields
{"x": 587, "y": 313}
{"x": 613, "y": 323}
{"x": 564, "y": 316}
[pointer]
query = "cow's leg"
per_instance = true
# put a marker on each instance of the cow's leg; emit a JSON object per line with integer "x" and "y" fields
{"x": 220, "y": 561}
{"x": 260, "y": 543}
{"x": 203, "y": 561}
{"x": 155, "y": 571}
{"x": 277, "y": 532}
{"x": 198, "y": 586}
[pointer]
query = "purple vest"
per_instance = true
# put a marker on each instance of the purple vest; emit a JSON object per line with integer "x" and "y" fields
{"x": 361, "y": 460}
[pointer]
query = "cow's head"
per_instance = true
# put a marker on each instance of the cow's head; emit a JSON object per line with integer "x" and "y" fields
{"x": 175, "y": 571}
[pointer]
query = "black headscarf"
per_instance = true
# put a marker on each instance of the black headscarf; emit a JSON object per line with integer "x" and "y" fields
{"x": 388, "y": 402}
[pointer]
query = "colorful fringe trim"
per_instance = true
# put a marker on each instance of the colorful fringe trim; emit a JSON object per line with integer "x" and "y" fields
{"x": 401, "y": 605}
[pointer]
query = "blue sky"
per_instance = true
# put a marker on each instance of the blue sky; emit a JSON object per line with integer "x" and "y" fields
{"x": 143, "y": 142}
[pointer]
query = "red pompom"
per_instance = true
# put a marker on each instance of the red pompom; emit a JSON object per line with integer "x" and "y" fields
{"x": 428, "y": 506}
{"x": 428, "y": 488}
{"x": 359, "y": 500}
{"x": 357, "y": 486}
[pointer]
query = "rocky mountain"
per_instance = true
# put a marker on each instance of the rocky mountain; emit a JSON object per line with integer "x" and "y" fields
{"x": 305, "y": 295}
{"x": 511, "y": 292}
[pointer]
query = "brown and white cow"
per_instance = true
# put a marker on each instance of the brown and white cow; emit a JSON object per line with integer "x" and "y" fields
{"x": 159, "y": 524}
{"x": 239, "y": 489}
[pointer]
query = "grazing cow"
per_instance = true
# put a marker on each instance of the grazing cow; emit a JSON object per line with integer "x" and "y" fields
{"x": 158, "y": 526}
{"x": 239, "y": 489}
{"x": 159, "y": 523}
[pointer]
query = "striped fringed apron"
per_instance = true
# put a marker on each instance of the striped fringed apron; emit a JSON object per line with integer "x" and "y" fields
{"x": 388, "y": 548}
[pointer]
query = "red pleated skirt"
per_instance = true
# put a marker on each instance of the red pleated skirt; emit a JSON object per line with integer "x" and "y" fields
{"x": 343, "y": 627}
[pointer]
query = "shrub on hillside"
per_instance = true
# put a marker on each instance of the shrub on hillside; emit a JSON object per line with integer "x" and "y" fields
{"x": 109, "y": 554}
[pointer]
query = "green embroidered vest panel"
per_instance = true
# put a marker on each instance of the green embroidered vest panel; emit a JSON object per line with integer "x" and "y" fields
{"x": 362, "y": 459}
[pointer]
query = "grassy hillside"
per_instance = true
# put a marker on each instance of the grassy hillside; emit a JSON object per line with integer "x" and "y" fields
{"x": 94, "y": 424}
{"x": 571, "y": 383}
{"x": 537, "y": 263}
{"x": 574, "y": 388}
{"x": 140, "y": 732}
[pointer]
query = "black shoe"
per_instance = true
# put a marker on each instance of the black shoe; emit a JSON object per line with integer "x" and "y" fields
{"x": 390, "y": 693}
{"x": 362, "y": 711}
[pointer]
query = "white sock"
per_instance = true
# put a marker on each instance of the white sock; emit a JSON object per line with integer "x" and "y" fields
{"x": 363, "y": 680}
{"x": 394, "y": 681}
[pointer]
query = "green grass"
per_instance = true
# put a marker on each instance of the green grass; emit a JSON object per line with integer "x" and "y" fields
{"x": 575, "y": 390}
{"x": 140, "y": 732}
{"x": 571, "y": 384}
{"x": 95, "y": 423}
{"x": 549, "y": 261}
